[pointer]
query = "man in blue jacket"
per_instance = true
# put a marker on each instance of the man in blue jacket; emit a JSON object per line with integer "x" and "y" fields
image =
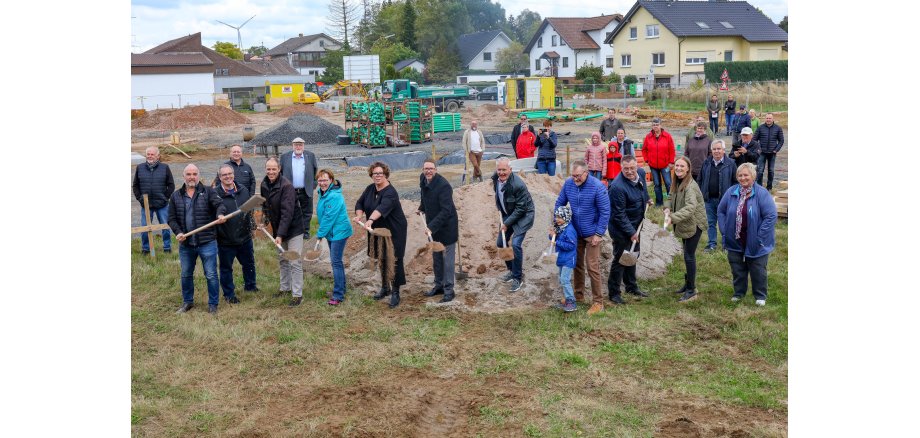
{"x": 628, "y": 198}
{"x": 590, "y": 214}
{"x": 770, "y": 136}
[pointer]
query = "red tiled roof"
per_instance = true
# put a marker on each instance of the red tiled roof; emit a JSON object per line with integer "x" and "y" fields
{"x": 573, "y": 30}
{"x": 550, "y": 55}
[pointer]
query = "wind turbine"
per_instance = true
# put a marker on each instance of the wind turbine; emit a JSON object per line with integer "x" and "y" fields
{"x": 238, "y": 37}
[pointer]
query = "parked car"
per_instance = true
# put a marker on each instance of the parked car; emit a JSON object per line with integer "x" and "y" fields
{"x": 473, "y": 92}
{"x": 488, "y": 93}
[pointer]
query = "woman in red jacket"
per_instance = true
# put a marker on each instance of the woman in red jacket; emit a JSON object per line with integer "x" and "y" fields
{"x": 658, "y": 151}
{"x": 525, "y": 144}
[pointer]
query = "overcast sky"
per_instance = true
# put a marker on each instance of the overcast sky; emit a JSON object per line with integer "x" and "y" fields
{"x": 156, "y": 21}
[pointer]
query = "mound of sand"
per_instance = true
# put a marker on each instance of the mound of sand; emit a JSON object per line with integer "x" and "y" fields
{"x": 201, "y": 116}
{"x": 479, "y": 225}
{"x": 290, "y": 110}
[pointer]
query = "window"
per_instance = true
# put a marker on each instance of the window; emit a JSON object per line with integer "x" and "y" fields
{"x": 651, "y": 31}
{"x": 657, "y": 58}
{"x": 633, "y": 33}
{"x": 726, "y": 25}
{"x": 702, "y": 25}
{"x": 728, "y": 56}
{"x": 217, "y": 72}
{"x": 561, "y": 41}
{"x": 487, "y": 56}
{"x": 609, "y": 62}
{"x": 608, "y": 36}
{"x": 222, "y": 72}
{"x": 321, "y": 43}
{"x": 625, "y": 60}
{"x": 696, "y": 61}
{"x": 536, "y": 64}
{"x": 565, "y": 61}
{"x": 554, "y": 40}
{"x": 540, "y": 42}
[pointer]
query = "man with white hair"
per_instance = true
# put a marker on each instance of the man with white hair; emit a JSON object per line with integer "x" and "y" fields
{"x": 473, "y": 143}
{"x": 746, "y": 149}
{"x": 517, "y": 211}
{"x": 299, "y": 167}
{"x": 716, "y": 176}
{"x": 155, "y": 180}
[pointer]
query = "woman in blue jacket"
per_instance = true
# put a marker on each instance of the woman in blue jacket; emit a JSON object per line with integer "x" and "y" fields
{"x": 334, "y": 226}
{"x": 747, "y": 219}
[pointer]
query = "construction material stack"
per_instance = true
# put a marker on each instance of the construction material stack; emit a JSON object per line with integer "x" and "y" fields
{"x": 446, "y": 122}
{"x": 782, "y": 199}
{"x": 419, "y": 121}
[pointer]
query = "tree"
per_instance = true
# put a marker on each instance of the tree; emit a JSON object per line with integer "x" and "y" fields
{"x": 383, "y": 20}
{"x": 511, "y": 59}
{"x": 444, "y": 63}
{"x": 485, "y": 15}
{"x": 257, "y": 50}
{"x": 335, "y": 70}
{"x": 342, "y": 17}
{"x": 406, "y": 32}
{"x": 229, "y": 50}
{"x": 784, "y": 25}
{"x": 411, "y": 74}
{"x": 440, "y": 19}
{"x": 390, "y": 53}
{"x": 526, "y": 25}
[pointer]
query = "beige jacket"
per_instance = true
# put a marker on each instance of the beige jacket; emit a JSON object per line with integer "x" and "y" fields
{"x": 466, "y": 140}
{"x": 688, "y": 212}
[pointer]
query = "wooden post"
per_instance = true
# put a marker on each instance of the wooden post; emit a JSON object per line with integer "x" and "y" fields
{"x": 149, "y": 228}
{"x": 433, "y": 153}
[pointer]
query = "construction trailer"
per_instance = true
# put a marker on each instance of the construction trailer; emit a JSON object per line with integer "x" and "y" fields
{"x": 279, "y": 94}
{"x": 530, "y": 93}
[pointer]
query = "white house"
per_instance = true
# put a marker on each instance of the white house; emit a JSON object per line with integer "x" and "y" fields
{"x": 413, "y": 63}
{"x": 478, "y": 56}
{"x": 305, "y": 53}
{"x": 561, "y": 45}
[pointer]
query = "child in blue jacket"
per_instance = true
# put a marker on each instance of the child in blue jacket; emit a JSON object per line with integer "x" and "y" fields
{"x": 566, "y": 244}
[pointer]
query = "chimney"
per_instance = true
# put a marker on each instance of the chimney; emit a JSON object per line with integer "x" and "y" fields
{"x": 301, "y": 35}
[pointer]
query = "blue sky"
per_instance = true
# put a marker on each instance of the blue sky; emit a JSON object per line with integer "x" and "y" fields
{"x": 156, "y": 21}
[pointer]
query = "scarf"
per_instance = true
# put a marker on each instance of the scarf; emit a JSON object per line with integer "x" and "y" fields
{"x": 739, "y": 212}
{"x": 151, "y": 166}
{"x": 564, "y": 212}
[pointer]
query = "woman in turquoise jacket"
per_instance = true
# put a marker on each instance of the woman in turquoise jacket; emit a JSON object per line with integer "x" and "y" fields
{"x": 334, "y": 226}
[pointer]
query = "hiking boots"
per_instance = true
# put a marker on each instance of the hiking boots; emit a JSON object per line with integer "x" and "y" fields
{"x": 295, "y": 301}
{"x": 185, "y": 307}
{"x": 433, "y": 292}
{"x": 447, "y": 298}
{"x": 689, "y": 295}
{"x": 384, "y": 291}
{"x": 233, "y": 300}
{"x": 616, "y": 299}
{"x": 212, "y": 309}
{"x": 569, "y": 306}
{"x": 394, "y": 298}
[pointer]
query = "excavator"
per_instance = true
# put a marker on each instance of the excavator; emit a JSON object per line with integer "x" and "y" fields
{"x": 314, "y": 96}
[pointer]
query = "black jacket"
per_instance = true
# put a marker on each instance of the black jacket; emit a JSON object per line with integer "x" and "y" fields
{"x": 518, "y": 203}
{"x": 243, "y": 175}
{"x": 158, "y": 184}
{"x": 627, "y": 205}
{"x": 281, "y": 207}
{"x": 236, "y": 231}
{"x": 309, "y": 171}
{"x": 609, "y": 129}
{"x": 770, "y": 138}
{"x": 438, "y": 205}
{"x": 726, "y": 175}
{"x": 730, "y": 106}
{"x": 515, "y": 133}
{"x": 753, "y": 151}
{"x": 206, "y": 205}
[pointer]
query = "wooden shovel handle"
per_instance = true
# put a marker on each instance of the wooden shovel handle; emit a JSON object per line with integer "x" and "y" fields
{"x": 271, "y": 238}
{"x": 212, "y": 223}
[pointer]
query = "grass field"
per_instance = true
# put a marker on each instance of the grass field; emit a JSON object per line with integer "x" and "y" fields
{"x": 262, "y": 369}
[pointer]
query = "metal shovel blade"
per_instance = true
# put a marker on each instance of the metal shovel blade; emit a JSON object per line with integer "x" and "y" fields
{"x": 313, "y": 254}
{"x": 628, "y": 259}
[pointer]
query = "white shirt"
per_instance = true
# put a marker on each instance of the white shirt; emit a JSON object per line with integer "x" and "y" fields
{"x": 475, "y": 146}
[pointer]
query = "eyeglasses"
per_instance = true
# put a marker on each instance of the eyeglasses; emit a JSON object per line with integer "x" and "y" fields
{"x": 579, "y": 175}
{"x": 377, "y": 174}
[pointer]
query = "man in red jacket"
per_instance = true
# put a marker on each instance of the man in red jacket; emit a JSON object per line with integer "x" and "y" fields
{"x": 658, "y": 152}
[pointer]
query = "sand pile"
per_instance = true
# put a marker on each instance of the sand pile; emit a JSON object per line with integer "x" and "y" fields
{"x": 290, "y": 110}
{"x": 486, "y": 111}
{"x": 201, "y": 116}
{"x": 479, "y": 224}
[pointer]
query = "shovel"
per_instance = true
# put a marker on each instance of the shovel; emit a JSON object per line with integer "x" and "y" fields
{"x": 459, "y": 275}
{"x": 550, "y": 255}
{"x": 629, "y": 258}
{"x": 663, "y": 232}
{"x": 434, "y": 246}
{"x": 382, "y": 232}
{"x": 313, "y": 255}
{"x": 287, "y": 255}
{"x": 505, "y": 253}
{"x": 247, "y": 206}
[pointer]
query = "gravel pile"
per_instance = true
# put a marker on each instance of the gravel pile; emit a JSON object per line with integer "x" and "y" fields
{"x": 312, "y": 129}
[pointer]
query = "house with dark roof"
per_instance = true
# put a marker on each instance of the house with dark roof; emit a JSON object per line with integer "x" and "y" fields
{"x": 413, "y": 63}
{"x": 172, "y": 75}
{"x": 305, "y": 53}
{"x": 478, "y": 55}
{"x": 562, "y": 45}
{"x": 668, "y": 42}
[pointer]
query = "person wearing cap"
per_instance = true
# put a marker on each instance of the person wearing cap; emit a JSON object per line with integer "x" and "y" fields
{"x": 770, "y": 137}
{"x": 741, "y": 121}
{"x": 299, "y": 167}
{"x": 658, "y": 151}
{"x": 746, "y": 149}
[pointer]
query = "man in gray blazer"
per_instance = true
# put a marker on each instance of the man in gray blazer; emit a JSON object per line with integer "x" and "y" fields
{"x": 299, "y": 167}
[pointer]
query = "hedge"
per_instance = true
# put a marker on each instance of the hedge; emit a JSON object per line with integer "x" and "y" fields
{"x": 747, "y": 71}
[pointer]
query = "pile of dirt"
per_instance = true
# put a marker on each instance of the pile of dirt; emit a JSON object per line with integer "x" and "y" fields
{"x": 479, "y": 225}
{"x": 201, "y": 116}
{"x": 314, "y": 130}
{"x": 486, "y": 112}
{"x": 290, "y": 110}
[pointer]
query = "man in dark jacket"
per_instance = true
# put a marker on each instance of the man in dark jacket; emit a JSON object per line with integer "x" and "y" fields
{"x": 729, "y": 113}
{"x": 517, "y": 211}
{"x": 516, "y": 132}
{"x": 746, "y": 149}
{"x": 242, "y": 171}
{"x": 192, "y": 206}
{"x": 770, "y": 137}
{"x": 234, "y": 237}
{"x": 628, "y": 200}
{"x": 610, "y": 125}
{"x": 716, "y": 176}
{"x": 437, "y": 204}
{"x": 155, "y": 180}
{"x": 590, "y": 206}
{"x": 285, "y": 217}
{"x": 299, "y": 167}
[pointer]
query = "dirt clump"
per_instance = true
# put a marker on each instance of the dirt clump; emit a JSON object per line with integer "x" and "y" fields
{"x": 679, "y": 428}
{"x": 201, "y": 116}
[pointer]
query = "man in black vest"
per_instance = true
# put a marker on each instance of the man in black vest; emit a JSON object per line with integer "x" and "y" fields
{"x": 437, "y": 204}
{"x": 299, "y": 167}
{"x": 155, "y": 180}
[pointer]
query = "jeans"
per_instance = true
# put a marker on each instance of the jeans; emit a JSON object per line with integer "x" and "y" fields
{"x": 742, "y": 267}
{"x": 517, "y": 242}
{"x": 728, "y": 122}
{"x": 547, "y": 167}
{"x": 187, "y": 259}
{"x": 336, "y": 250}
{"x": 619, "y": 272}
{"x": 161, "y": 215}
{"x": 306, "y": 208}
{"x": 690, "y": 245}
{"x": 565, "y": 280}
{"x": 443, "y": 264}
{"x": 599, "y": 174}
{"x": 714, "y": 125}
{"x": 766, "y": 160}
{"x": 712, "y": 217}
{"x": 243, "y": 253}
{"x": 657, "y": 175}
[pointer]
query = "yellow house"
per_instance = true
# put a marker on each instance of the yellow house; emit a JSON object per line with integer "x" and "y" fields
{"x": 668, "y": 42}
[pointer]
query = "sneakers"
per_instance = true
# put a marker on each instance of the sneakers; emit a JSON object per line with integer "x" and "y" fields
{"x": 761, "y": 303}
{"x": 295, "y": 301}
{"x": 185, "y": 307}
{"x": 616, "y": 299}
{"x": 638, "y": 292}
{"x": 384, "y": 291}
{"x": 334, "y": 302}
{"x": 596, "y": 307}
{"x": 212, "y": 309}
{"x": 433, "y": 292}
{"x": 255, "y": 289}
{"x": 681, "y": 290}
{"x": 282, "y": 293}
{"x": 736, "y": 299}
{"x": 167, "y": 251}
{"x": 233, "y": 300}
{"x": 516, "y": 284}
{"x": 569, "y": 306}
{"x": 507, "y": 277}
{"x": 689, "y": 295}
{"x": 709, "y": 249}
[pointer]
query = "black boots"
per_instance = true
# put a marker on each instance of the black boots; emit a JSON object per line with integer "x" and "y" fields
{"x": 384, "y": 291}
{"x": 447, "y": 298}
{"x": 433, "y": 292}
{"x": 394, "y": 297}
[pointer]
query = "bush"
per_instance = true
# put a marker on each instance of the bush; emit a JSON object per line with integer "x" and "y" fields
{"x": 613, "y": 78}
{"x": 747, "y": 71}
{"x": 630, "y": 79}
